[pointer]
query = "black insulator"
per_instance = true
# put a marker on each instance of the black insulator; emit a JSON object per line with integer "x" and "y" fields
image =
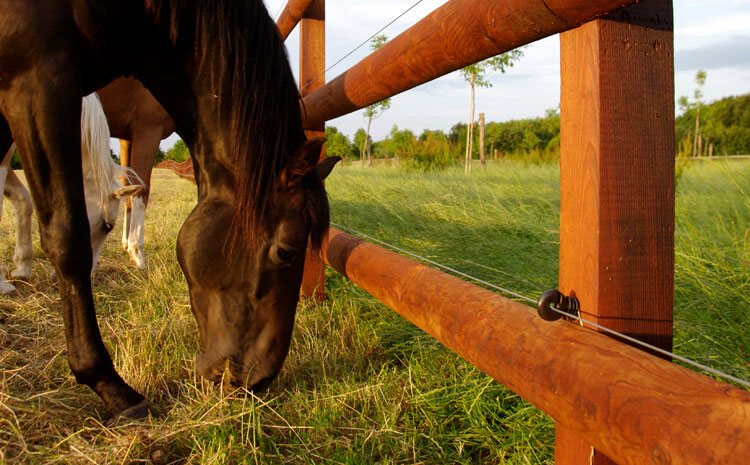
{"x": 557, "y": 299}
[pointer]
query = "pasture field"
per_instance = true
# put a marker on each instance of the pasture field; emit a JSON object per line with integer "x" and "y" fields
{"x": 361, "y": 385}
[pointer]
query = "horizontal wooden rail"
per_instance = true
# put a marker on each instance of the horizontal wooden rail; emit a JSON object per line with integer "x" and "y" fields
{"x": 634, "y": 407}
{"x": 291, "y": 16}
{"x": 455, "y": 35}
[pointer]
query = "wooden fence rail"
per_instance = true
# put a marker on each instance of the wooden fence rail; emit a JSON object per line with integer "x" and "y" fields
{"x": 634, "y": 407}
{"x": 459, "y": 33}
{"x": 291, "y": 16}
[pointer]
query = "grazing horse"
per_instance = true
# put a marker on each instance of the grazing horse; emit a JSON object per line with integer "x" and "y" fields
{"x": 220, "y": 69}
{"x": 101, "y": 185}
{"x": 140, "y": 122}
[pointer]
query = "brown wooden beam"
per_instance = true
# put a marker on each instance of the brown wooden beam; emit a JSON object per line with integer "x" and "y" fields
{"x": 311, "y": 67}
{"x": 457, "y": 34}
{"x": 631, "y": 405}
{"x": 293, "y": 12}
{"x": 617, "y": 181}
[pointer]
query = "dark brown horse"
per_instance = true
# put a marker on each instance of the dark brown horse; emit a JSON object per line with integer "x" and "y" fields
{"x": 220, "y": 69}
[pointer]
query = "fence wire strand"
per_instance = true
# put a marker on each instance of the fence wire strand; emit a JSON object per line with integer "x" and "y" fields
{"x": 530, "y": 300}
{"x": 362, "y": 44}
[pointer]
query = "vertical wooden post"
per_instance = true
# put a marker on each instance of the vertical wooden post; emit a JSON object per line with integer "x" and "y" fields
{"x": 617, "y": 180}
{"x": 481, "y": 142}
{"x": 311, "y": 66}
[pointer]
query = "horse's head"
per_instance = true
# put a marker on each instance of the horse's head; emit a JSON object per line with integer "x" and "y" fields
{"x": 103, "y": 206}
{"x": 244, "y": 292}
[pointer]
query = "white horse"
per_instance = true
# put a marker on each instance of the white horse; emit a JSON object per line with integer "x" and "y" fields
{"x": 101, "y": 183}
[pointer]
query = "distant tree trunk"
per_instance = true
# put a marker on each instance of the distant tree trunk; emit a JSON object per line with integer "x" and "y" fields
{"x": 470, "y": 130}
{"x": 711, "y": 151}
{"x": 696, "y": 151}
{"x": 367, "y": 142}
{"x": 481, "y": 142}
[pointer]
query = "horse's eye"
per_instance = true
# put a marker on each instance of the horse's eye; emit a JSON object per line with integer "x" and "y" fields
{"x": 283, "y": 254}
{"x": 107, "y": 227}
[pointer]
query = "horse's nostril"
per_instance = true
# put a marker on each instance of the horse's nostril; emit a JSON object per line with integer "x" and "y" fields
{"x": 107, "y": 227}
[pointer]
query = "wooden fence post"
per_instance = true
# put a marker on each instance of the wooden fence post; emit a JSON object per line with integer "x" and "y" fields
{"x": 617, "y": 180}
{"x": 311, "y": 66}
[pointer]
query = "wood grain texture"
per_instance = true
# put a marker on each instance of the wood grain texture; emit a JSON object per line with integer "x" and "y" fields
{"x": 457, "y": 34}
{"x": 631, "y": 405}
{"x": 312, "y": 65}
{"x": 293, "y": 12}
{"x": 617, "y": 180}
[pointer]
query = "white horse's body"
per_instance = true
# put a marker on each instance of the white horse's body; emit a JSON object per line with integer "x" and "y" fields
{"x": 101, "y": 182}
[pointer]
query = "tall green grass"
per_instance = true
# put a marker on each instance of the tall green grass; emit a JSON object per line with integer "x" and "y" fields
{"x": 361, "y": 385}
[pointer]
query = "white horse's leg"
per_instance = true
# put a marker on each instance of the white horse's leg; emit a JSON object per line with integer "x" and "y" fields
{"x": 135, "y": 236}
{"x": 5, "y": 286}
{"x": 21, "y": 198}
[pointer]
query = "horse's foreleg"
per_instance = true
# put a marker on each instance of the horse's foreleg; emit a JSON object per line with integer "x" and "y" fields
{"x": 46, "y": 126}
{"x": 144, "y": 150}
{"x": 19, "y": 195}
{"x": 125, "y": 161}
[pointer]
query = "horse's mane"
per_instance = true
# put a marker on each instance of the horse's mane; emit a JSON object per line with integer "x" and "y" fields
{"x": 96, "y": 153}
{"x": 95, "y": 147}
{"x": 238, "y": 44}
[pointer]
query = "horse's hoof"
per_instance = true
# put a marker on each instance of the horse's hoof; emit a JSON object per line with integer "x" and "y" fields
{"x": 7, "y": 288}
{"x": 53, "y": 277}
{"x": 139, "y": 411}
{"x": 21, "y": 274}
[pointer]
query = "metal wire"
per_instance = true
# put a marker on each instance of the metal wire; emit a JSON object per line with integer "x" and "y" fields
{"x": 391, "y": 246}
{"x": 363, "y": 43}
{"x": 529, "y": 299}
{"x": 280, "y": 9}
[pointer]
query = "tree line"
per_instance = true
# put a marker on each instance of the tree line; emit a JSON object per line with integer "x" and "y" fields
{"x": 532, "y": 139}
{"x": 724, "y": 124}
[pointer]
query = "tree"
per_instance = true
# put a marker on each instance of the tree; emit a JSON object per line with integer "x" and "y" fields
{"x": 376, "y": 109}
{"x": 337, "y": 144}
{"x": 700, "y": 79}
{"x": 179, "y": 152}
{"x": 476, "y": 76}
{"x": 687, "y": 106}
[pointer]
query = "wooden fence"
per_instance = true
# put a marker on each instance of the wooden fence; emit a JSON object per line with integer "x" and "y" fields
{"x": 611, "y": 402}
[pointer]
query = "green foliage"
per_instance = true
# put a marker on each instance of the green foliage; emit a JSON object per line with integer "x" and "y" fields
{"x": 15, "y": 161}
{"x": 724, "y": 123}
{"x": 432, "y": 151}
{"x": 179, "y": 153}
{"x": 337, "y": 144}
{"x": 477, "y": 72}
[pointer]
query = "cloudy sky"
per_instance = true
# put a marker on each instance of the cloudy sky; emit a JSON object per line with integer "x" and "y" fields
{"x": 709, "y": 34}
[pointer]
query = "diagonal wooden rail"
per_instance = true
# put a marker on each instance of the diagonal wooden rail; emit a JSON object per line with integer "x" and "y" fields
{"x": 455, "y": 35}
{"x": 292, "y": 15}
{"x": 634, "y": 407}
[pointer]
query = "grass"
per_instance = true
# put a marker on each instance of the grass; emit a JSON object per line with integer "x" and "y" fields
{"x": 361, "y": 385}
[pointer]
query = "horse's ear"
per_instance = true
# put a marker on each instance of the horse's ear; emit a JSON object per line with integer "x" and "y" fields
{"x": 311, "y": 148}
{"x": 126, "y": 191}
{"x": 323, "y": 169}
{"x": 303, "y": 162}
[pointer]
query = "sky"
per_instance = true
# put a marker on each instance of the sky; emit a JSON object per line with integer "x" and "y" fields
{"x": 713, "y": 35}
